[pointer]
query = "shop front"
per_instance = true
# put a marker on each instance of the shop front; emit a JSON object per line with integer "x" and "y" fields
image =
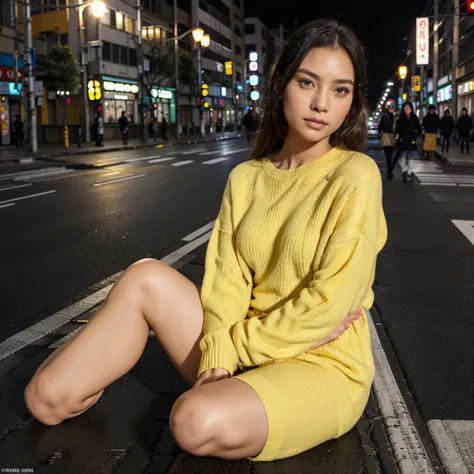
{"x": 10, "y": 97}
{"x": 466, "y": 96}
{"x": 163, "y": 105}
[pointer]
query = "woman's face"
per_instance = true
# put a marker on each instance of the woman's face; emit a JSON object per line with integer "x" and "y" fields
{"x": 407, "y": 109}
{"x": 319, "y": 96}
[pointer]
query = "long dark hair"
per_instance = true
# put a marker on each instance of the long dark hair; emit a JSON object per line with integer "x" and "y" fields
{"x": 352, "y": 135}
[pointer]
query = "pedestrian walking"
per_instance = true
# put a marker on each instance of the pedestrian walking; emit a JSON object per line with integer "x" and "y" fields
{"x": 446, "y": 126}
{"x": 276, "y": 344}
{"x": 164, "y": 128}
{"x": 431, "y": 124}
{"x": 123, "y": 123}
{"x": 18, "y": 126}
{"x": 464, "y": 127}
{"x": 387, "y": 140}
{"x": 408, "y": 129}
{"x": 250, "y": 122}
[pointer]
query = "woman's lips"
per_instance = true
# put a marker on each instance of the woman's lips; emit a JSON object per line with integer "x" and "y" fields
{"x": 313, "y": 124}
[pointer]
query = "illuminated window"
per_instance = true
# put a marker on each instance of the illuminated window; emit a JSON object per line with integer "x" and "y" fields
{"x": 119, "y": 20}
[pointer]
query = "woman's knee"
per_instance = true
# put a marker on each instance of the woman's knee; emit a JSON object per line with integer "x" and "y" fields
{"x": 45, "y": 401}
{"x": 197, "y": 427}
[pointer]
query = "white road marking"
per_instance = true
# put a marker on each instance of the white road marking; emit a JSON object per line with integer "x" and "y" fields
{"x": 438, "y": 184}
{"x": 110, "y": 174}
{"x": 182, "y": 163}
{"x": 41, "y": 179}
{"x": 181, "y": 252}
{"x": 214, "y": 152}
{"x": 160, "y": 160}
{"x": 454, "y": 441}
{"x": 231, "y": 152}
{"x": 44, "y": 174}
{"x": 7, "y": 205}
{"x": 133, "y": 160}
{"x": 466, "y": 227}
{"x": 50, "y": 324}
{"x": 200, "y": 231}
{"x": 29, "y": 196}
{"x": 7, "y": 188}
{"x": 64, "y": 339}
{"x": 409, "y": 451}
{"x": 125, "y": 178}
{"x": 4, "y": 177}
{"x": 213, "y": 162}
{"x": 466, "y": 185}
{"x": 190, "y": 152}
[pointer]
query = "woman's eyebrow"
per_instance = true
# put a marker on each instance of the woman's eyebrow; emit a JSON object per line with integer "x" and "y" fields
{"x": 315, "y": 76}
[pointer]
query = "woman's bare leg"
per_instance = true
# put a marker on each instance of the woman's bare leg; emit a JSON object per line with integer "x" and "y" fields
{"x": 148, "y": 295}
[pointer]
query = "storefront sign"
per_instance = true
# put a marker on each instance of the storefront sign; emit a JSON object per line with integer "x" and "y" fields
{"x": 422, "y": 41}
{"x": 120, "y": 87}
{"x": 466, "y": 88}
{"x": 161, "y": 94}
{"x": 8, "y": 73}
{"x": 8, "y": 88}
{"x": 445, "y": 93}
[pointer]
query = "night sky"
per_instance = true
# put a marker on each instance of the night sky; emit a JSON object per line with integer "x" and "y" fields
{"x": 381, "y": 33}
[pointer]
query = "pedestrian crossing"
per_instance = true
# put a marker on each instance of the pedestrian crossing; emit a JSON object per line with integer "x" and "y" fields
{"x": 431, "y": 174}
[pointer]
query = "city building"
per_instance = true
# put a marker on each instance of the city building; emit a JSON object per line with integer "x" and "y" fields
{"x": 464, "y": 70}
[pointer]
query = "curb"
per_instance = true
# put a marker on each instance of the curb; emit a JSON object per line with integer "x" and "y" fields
{"x": 446, "y": 161}
{"x": 53, "y": 157}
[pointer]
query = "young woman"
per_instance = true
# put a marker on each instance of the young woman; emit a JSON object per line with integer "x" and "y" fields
{"x": 387, "y": 139}
{"x": 408, "y": 130}
{"x": 274, "y": 343}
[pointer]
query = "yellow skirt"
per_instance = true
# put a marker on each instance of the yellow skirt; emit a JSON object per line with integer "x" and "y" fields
{"x": 315, "y": 397}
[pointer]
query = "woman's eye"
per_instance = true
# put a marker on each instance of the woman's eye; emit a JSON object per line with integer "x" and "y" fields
{"x": 342, "y": 91}
{"x": 306, "y": 82}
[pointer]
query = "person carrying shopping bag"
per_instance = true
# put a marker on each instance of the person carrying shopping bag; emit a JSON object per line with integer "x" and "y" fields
{"x": 430, "y": 128}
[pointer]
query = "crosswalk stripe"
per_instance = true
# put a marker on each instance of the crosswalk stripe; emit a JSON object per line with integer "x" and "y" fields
{"x": 182, "y": 163}
{"x": 439, "y": 184}
{"x": 160, "y": 160}
{"x": 214, "y": 161}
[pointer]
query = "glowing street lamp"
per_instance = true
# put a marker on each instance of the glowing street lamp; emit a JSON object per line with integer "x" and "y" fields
{"x": 98, "y": 8}
{"x": 402, "y": 72}
{"x": 198, "y": 33}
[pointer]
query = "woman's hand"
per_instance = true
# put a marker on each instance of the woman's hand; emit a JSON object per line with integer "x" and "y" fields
{"x": 348, "y": 320}
{"x": 211, "y": 375}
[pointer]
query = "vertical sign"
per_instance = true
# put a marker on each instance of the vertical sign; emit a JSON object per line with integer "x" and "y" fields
{"x": 422, "y": 41}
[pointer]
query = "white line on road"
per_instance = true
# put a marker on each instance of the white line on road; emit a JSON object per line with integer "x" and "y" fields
{"x": 213, "y": 162}
{"x": 27, "y": 196}
{"x": 424, "y": 183}
{"x": 125, "y": 178}
{"x": 44, "y": 174}
{"x": 231, "y": 152}
{"x": 466, "y": 227}
{"x": 133, "y": 160}
{"x": 14, "y": 187}
{"x": 190, "y": 152}
{"x": 409, "y": 451}
{"x": 160, "y": 160}
{"x": 453, "y": 440}
{"x": 110, "y": 174}
{"x": 466, "y": 185}
{"x": 198, "y": 232}
{"x": 7, "y": 205}
{"x": 64, "y": 339}
{"x": 50, "y": 324}
{"x": 214, "y": 152}
{"x": 4, "y": 177}
{"x": 182, "y": 163}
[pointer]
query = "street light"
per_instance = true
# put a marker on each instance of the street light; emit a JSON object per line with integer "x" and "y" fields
{"x": 98, "y": 10}
{"x": 402, "y": 72}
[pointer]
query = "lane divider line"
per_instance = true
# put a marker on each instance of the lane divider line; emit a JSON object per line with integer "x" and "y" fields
{"x": 7, "y": 188}
{"x": 182, "y": 163}
{"x": 161, "y": 160}
{"x": 28, "y": 196}
{"x": 7, "y": 205}
{"x": 214, "y": 161}
{"x": 199, "y": 232}
{"x": 118, "y": 180}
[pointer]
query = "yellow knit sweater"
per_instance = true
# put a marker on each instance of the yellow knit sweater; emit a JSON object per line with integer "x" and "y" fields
{"x": 292, "y": 253}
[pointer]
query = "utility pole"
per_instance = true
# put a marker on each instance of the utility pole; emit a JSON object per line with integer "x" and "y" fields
{"x": 435, "y": 53}
{"x": 176, "y": 69}
{"x": 84, "y": 60}
{"x": 454, "y": 82}
{"x": 28, "y": 80}
{"x": 202, "y": 132}
{"x": 141, "y": 105}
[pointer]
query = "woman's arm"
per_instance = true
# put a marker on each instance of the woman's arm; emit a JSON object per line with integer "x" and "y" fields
{"x": 339, "y": 286}
{"x": 225, "y": 293}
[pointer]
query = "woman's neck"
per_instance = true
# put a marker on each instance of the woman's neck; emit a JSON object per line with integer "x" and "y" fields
{"x": 296, "y": 152}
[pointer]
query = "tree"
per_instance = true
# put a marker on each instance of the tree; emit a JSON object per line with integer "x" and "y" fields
{"x": 188, "y": 76}
{"x": 161, "y": 59}
{"x": 61, "y": 69}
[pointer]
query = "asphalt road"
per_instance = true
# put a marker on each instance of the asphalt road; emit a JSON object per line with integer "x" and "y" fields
{"x": 55, "y": 247}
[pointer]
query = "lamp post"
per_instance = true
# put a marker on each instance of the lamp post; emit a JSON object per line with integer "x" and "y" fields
{"x": 201, "y": 40}
{"x": 98, "y": 9}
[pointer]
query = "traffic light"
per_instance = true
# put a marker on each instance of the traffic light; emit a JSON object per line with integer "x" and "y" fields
{"x": 416, "y": 83}
{"x": 470, "y": 7}
{"x": 99, "y": 109}
{"x": 94, "y": 91}
{"x": 204, "y": 90}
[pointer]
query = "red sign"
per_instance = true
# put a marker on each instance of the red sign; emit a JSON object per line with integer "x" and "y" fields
{"x": 7, "y": 74}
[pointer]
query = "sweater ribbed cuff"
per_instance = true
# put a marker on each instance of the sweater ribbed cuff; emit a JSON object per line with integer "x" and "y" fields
{"x": 218, "y": 351}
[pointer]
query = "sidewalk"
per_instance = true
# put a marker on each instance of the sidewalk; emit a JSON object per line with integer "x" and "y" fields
{"x": 455, "y": 158}
{"x": 12, "y": 154}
